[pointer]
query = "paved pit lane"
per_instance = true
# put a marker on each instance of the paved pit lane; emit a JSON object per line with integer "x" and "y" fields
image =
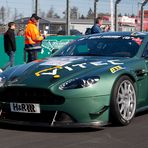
{"x": 134, "y": 135}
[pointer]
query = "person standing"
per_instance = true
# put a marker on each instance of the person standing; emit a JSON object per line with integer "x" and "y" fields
{"x": 96, "y": 27}
{"x": 33, "y": 38}
{"x": 10, "y": 43}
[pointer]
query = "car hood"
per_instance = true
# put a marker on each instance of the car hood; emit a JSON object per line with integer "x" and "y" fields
{"x": 43, "y": 73}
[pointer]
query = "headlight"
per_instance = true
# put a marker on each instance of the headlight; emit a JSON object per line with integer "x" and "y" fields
{"x": 79, "y": 83}
{"x": 2, "y": 81}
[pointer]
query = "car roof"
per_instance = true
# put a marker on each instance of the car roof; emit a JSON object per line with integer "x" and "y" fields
{"x": 136, "y": 34}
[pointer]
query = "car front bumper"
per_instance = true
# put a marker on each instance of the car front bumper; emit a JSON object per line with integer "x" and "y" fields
{"x": 95, "y": 125}
{"x": 75, "y": 112}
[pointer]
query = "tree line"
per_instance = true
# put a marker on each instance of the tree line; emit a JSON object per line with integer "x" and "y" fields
{"x": 74, "y": 14}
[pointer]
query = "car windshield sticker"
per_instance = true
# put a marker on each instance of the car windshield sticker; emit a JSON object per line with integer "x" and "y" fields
{"x": 136, "y": 39}
{"x": 106, "y": 37}
{"x": 53, "y": 71}
{"x": 115, "y": 69}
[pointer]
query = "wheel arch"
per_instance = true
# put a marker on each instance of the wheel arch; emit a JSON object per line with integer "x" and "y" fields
{"x": 131, "y": 77}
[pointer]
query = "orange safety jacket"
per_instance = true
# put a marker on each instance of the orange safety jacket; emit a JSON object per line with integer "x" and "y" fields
{"x": 32, "y": 34}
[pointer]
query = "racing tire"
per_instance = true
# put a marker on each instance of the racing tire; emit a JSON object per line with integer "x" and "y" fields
{"x": 123, "y": 101}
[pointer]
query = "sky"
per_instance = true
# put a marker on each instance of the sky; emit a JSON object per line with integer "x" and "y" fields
{"x": 25, "y": 7}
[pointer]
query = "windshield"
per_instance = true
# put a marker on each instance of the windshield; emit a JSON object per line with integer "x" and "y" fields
{"x": 101, "y": 46}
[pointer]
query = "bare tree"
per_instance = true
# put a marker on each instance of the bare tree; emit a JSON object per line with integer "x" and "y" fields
{"x": 52, "y": 14}
{"x": 82, "y": 17}
{"x": 15, "y": 14}
{"x": 42, "y": 14}
{"x": 56, "y": 15}
{"x": 2, "y": 14}
{"x": 90, "y": 14}
{"x": 74, "y": 12}
{"x": 119, "y": 15}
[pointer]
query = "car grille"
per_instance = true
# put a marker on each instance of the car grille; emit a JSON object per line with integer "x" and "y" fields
{"x": 30, "y": 95}
{"x": 44, "y": 116}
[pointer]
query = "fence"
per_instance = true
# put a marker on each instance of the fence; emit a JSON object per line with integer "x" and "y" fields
{"x": 50, "y": 43}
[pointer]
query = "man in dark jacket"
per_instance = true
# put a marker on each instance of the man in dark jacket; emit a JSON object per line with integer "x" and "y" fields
{"x": 96, "y": 27}
{"x": 10, "y": 43}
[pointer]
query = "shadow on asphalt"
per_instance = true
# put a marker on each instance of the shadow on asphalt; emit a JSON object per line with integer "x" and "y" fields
{"x": 142, "y": 113}
{"x": 48, "y": 129}
{"x": 61, "y": 130}
{"x": 139, "y": 114}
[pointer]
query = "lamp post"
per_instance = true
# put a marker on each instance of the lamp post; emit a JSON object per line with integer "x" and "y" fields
{"x": 36, "y": 7}
{"x": 142, "y": 14}
{"x": 112, "y": 15}
{"x": 68, "y": 17}
{"x": 116, "y": 14}
{"x": 95, "y": 10}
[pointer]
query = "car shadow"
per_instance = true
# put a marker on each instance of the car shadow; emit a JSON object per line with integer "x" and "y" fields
{"x": 61, "y": 130}
{"x": 48, "y": 129}
{"x": 137, "y": 115}
{"x": 141, "y": 113}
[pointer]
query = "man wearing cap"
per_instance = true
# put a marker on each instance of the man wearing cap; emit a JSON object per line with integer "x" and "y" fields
{"x": 33, "y": 38}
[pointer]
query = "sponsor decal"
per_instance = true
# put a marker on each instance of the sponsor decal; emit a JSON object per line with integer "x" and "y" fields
{"x": 53, "y": 71}
{"x": 24, "y": 107}
{"x": 56, "y": 76}
{"x": 115, "y": 69}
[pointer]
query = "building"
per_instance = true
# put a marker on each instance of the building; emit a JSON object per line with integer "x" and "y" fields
{"x": 145, "y": 22}
{"x": 53, "y": 25}
{"x": 43, "y": 25}
{"x": 126, "y": 23}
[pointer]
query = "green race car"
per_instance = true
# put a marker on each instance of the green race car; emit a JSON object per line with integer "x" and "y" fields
{"x": 90, "y": 82}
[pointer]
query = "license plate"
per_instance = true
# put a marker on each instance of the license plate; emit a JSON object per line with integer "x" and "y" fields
{"x": 24, "y": 107}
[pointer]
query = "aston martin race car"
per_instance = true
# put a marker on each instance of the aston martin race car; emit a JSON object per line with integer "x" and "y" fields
{"x": 92, "y": 81}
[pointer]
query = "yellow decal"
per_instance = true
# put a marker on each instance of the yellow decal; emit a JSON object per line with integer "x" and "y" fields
{"x": 115, "y": 69}
{"x": 56, "y": 76}
{"x": 53, "y": 69}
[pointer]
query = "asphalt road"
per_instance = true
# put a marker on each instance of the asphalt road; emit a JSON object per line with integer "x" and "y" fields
{"x": 134, "y": 135}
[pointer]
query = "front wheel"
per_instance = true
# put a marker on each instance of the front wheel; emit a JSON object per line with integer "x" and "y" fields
{"x": 123, "y": 101}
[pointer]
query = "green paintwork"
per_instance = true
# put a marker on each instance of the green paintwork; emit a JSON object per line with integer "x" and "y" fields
{"x": 79, "y": 103}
